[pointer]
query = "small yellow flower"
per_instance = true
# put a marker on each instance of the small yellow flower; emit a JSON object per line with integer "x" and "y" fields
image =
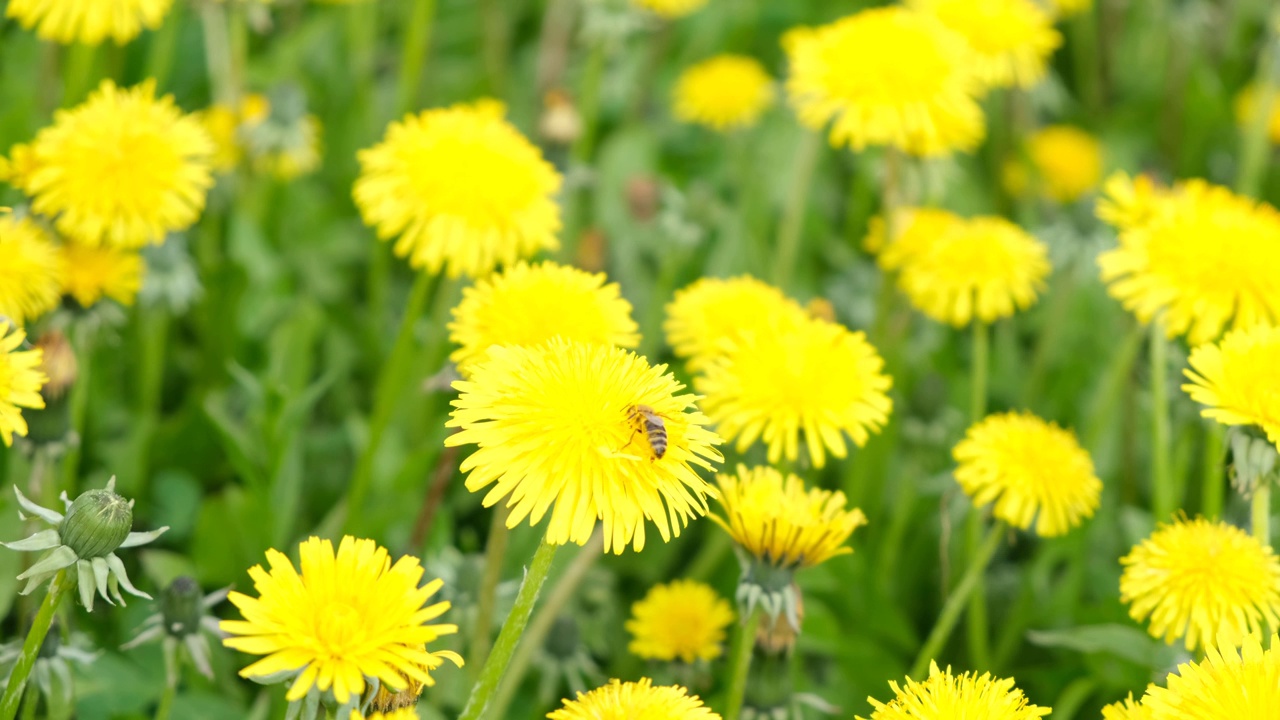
{"x": 90, "y": 273}
{"x": 29, "y": 274}
{"x": 21, "y": 378}
{"x": 634, "y": 701}
{"x": 89, "y": 21}
{"x": 727, "y": 92}
{"x": 815, "y": 378}
{"x": 670, "y": 9}
{"x": 1066, "y": 164}
{"x": 527, "y": 305}
{"x": 559, "y": 430}
{"x": 223, "y": 124}
{"x": 1199, "y": 256}
{"x": 779, "y": 522}
{"x": 1246, "y": 105}
{"x": 122, "y": 169}
{"x": 887, "y": 76}
{"x": 1012, "y": 39}
{"x": 710, "y": 311}
{"x": 1237, "y": 379}
{"x": 950, "y": 697}
{"x": 1126, "y": 709}
{"x": 1201, "y": 580}
{"x": 683, "y": 620}
{"x": 345, "y": 619}
{"x": 461, "y": 188}
{"x": 1228, "y": 683}
{"x": 1034, "y": 471}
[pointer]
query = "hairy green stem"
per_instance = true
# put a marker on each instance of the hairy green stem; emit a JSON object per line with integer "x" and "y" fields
{"x": 1261, "y": 511}
{"x": 31, "y": 647}
{"x": 495, "y": 550}
{"x": 956, "y": 601}
{"x": 743, "y": 647}
{"x": 1164, "y": 502}
{"x": 791, "y": 225}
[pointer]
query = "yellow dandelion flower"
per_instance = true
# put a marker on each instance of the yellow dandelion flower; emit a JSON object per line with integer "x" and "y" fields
{"x": 946, "y": 697}
{"x": 1201, "y": 580}
{"x": 88, "y": 21}
{"x": 21, "y": 378}
{"x": 90, "y": 273}
{"x": 683, "y": 620}
{"x": 1203, "y": 259}
{"x": 344, "y": 619}
{"x": 1237, "y": 380}
{"x": 569, "y": 424}
{"x": 702, "y": 316}
{"x": 1066, "y": 164}
{"x": 781, "y": 523}
{"x": 1129, "y": 202}
{"x": 529, "y": 304}
{"x": 914, "y": 228}
{"x": 123, "y": 168}
{"x": 1034, "y": 471}
{"x": 462, "y": 188}
{"x": 670, "y": 9}
{"x": 983, "y": 267}
{"x": 814, "y": 377}
{"x": 1011, "y": 39}
{"x": 28, "y": 270}
{"x": 887, "y": 76}
{"x": 635, "y": 701}
{"x": 726, "y": 92}
{"x": 1227, "y": 683}
{"x": 1126, "y": 709}
{"x": 222, "y": 124}
{"x": 401, "y": 714}
{"x": 1246, "y": 105}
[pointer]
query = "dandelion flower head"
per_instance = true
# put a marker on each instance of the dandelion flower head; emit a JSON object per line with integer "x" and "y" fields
{"x": 1201, "y": 580}
{"x": 727, "y": 92}
{"x": 342, "y": 620}
{"x": 702, "y": 316}
{"x": 21, "y": 378}
{"x": 88, "y": 21}
{"x": 29, "y": 271}
{"x": 947, "y": 697}
{"x": 1034, "y": 471}
{"x": 1066, "y": 163}
{"x": 1012, "y": 40}
{"x": 682, "y": 620}
{"x": 1129, "y": 202}
{"x": 91, "y": 273}
{"x": 913, "y": 229}
{"x": 670, "y": 9}
{"x": 1246, "y": 108}
{"x": 560, "y": 429}
{"x": 401, "y": 714}
{"x": 635, "y": 701}
{"x": 1127, "y": 709}
{"x": 886, "y": 76}
{"x": 461, "y": 188}
{"x": 1236, "y": 379}
{"x": 530, "y": 304}
{"x": 1234, "y": 680}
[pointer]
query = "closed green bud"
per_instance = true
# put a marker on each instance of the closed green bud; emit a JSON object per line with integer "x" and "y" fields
{"x": 181, "y": 607}
{"x": 96, "y": 523}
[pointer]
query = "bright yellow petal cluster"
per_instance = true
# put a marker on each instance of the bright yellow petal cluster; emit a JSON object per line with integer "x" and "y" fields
{"x": 1126, "y": 709}
{"x": 683, "y": 620}
{"x": 88, "y": 21}
{"x": 1200, "y": 257}
{"x": 90, "y": 273}
{"x": 635, "y": 701}
{"x": 1246, "y": 105}
{"x": 814, "y": 377}
{"x": 913, "y": 228}
{"x": 284, "y": 147}
{"x": 21, "y": 378}
{"x": 1127, "y": 202}
{"x": 726, "y": 92}
{"x": 960, "y": 269}
{"x": 1066, "y": 163}
{"x": 950, "y": 697}
{"x": 710, "y": 311}
{"x": 887, "y": 76}
{"x": 461, "y": 188}
{"x": 122, "y": 169}
{"x": 558, "y": 431}
{"x": 1225, "y": 685}
{"x": 1201, "y": 580}
{"x": 1238, "y": 379}
{"x": 345, "y": 619}
{"x": 1067, "y": 8}
{"x": 781, "y": 523}
{"x": 671, "y": 9}
{"x": 401, "y": 714}
{"x": 29, "y": 279}
{"x": 529, "y": 304}
{"x": 1012, "y": 40}
{"x": 1034, "y": 471}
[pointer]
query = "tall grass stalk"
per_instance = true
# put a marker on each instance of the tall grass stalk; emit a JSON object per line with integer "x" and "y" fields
{"x": 791, "y": 226}
{"x": 978, "y": 626}
{"x": 956, "y": 601}
{"x": 1163, "y": 493}
{"x": 1255, "y": 152}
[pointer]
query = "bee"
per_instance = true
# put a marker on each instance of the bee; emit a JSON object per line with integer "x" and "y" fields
{"x": 649, "y": 422}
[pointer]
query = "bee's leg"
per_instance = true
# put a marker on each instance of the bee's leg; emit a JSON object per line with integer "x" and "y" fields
{"x": 629, "y": 439}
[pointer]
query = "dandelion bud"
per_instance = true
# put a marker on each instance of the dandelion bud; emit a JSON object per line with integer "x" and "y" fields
{"x": 776, "y": 635}
{"x": 560, "y": 123}
{"x": 59, "y": 364}
{"x": 97, "y": 522}
{"x": 181, "y": 607}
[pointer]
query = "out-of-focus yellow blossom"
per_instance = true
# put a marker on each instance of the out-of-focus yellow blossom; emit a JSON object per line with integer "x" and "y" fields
{"x": 1067, "y": 8}
{"x": 1238, "y": 379}
{"x": 285, "y": 147}
{"x": 682, "y": 620}
{"x": 724, "y": 93}
{"x": 670, "y": 9}
{"x": 1066, "y": 163}
{"x": 88, "y": 21}
{"x": 1246, "y": 105}
{"x": 702, "y": 316}
{"x": 90, "y": 273}
{"x": 21, "y": 378}
{"x": 29, "y": 270}
{"x": 1012, "y": 40}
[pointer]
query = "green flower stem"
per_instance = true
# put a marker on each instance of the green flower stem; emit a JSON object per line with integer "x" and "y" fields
{"x": 392, "y": 386}
{"x": 791, "y": 226}
{"x": 495, "y": 40}
{"x": 978, "y": 627}
{"x": 495, "y": 551}
{"x": 58, "y": 587}
{"x": 83, "y": 347}
{"x": 31, "y": 703}
{"x": 218, "y": 54}
{"x": 163, "y": 43}
{"x": 79, "y": 71}
{"x": 1254, "y": 149}
{"x": 1261, "y": 510}
{"x": 1086, "y": 61}
{"x": 166, "y": 700}
{"x": 979, "y": 371}
{"x": 1164, "y": 504}
{"x": 956, "y": 601}
{"x": 743, "y": 647}
{"x": 413, "y": 55}
{"x": 495, "y": 665}
{"x": 577, "y": 208}
{"x": 1213, "y": 489}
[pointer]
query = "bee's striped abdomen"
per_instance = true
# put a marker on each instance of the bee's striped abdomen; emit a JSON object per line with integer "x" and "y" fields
{"x": 655, "y": 431}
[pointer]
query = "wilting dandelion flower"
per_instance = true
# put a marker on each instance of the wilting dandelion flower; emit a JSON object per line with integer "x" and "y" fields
{"x": 567, "y": 428}
{"x": 1198, "y": 255}
{"x": 461, "y": 188}
{"x": 121, "y": 169}
{"x": 814, "y": 377}
{"x": 1127, "y": 709}
{"x": 20, "y": 381}
{"x": 670, "y": 9}
{"x": 1066, "y": 163}
{"x": 1237, "y": 379}
{"x": 1246, "y": 108}
{"x": 89, "y": 22}
{"x": 91, "y": 273}
{"x": 887, "y": 76}
{"x": 1034, "y": 471}
{"x": 1011, "y": 39}
{"x": 682, "y": 620}
{"x": 343, "y": 620}
{"x": 634, "y": 701}
{"x": 1201, "y": 581}
{"x": 1227, "y": 683}
{"x": 702, "y": 316}
{"x": 724, "y": 93}
{"x": 530, "y": 304}
{"x": 29, "y": 282}
{"x": 948, "y": 697}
